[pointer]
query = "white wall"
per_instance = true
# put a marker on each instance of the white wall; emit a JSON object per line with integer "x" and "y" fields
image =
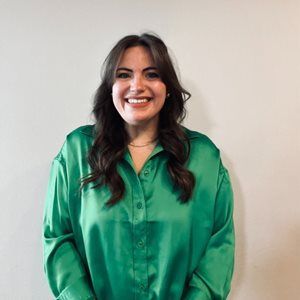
{"x": 239, "y": 59}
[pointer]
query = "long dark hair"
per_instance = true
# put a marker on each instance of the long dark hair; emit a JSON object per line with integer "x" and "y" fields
{"x": 111, "y": 138}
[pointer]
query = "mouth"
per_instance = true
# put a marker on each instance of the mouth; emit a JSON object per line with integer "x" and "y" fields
{"x": 138, "y": 100}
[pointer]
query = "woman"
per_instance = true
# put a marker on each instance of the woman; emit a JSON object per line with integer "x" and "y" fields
{"x": 138, "y": 206}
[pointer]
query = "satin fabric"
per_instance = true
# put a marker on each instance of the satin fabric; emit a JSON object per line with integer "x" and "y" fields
{"x": 149, "y": 245}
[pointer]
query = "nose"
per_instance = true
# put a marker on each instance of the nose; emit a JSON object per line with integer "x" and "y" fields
{"x": 137, "y": 84}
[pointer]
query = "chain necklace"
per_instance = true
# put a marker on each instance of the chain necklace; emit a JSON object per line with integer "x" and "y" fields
{"x": 148, "y": 143}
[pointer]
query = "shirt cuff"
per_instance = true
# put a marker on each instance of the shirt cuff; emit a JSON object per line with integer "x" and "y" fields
{"x": 79, "y": 290}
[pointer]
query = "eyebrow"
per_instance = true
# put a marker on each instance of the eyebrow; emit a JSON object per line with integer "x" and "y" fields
{"x": 129, "y": 70}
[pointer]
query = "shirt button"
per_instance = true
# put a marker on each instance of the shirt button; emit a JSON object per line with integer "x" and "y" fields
{"x": 146, "y": 172}
{"x": 142, "y": 286}
{"x": 139, "y": 205}
{"x": 140, "y": 244}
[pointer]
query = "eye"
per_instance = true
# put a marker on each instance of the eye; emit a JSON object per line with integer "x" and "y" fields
{"x": 123, "y": 75}
{"x": 152, "y": 75}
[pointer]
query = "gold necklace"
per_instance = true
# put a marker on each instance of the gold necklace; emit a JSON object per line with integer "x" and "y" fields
{"x": 149, "y": 143}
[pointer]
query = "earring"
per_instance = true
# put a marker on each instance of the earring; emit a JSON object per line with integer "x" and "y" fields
{"x": 168, "y": 95}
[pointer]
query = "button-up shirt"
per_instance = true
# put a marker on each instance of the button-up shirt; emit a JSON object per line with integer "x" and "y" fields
{"x": 147, "y": 246}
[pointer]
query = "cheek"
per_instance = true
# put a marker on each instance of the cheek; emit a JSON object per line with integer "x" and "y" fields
{"x": 115, "y": 97}
{"x": 118, "y": 88}
{"x": 161, "y": 89}
{"x": 115, "y": 90}
{"x": 117, "y": 93}
{"x": 162, "y": 93}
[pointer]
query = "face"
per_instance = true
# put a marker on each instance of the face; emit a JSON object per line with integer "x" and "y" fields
{"x": 138, "y": 91}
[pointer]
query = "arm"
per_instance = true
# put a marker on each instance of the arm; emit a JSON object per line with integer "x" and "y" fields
{"x": 212, "y": 278}
{"x": 62, "y": 263}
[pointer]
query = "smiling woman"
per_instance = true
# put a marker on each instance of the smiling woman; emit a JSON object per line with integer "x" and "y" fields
{"x": 139, "y": 206}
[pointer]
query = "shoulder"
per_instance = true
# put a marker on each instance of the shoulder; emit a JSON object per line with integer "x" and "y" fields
{"x": 201, "y": 143}
{"x": 78, "y": 141}
{"x": 81, "y": 135}
{"x": 205, "y": 158}
{"x": 82, "y": 132}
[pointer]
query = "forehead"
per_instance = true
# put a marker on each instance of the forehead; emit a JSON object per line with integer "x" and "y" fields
{"x": 136, "y": 57}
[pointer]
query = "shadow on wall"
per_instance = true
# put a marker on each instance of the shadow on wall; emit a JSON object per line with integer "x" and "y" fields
{"x": 197, "y": 104}
{"x": 241, "y": 242}
{"x": 276, "y": 271}
{"x": 22, "y": 244}
{"x": 205, "y": 124}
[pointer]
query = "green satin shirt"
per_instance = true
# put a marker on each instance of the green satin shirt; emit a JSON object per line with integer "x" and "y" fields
{"x": 149, "y": 245}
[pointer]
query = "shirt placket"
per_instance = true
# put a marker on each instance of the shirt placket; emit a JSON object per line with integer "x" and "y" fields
{"x": 139, "y": 223}
{"x": 140, "y": 235}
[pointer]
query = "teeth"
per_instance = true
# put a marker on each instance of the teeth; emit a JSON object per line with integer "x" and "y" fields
{"x": 138, "y": 100}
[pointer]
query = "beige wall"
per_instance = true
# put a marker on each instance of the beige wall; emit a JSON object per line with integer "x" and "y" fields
{"x": 239, "y": 59}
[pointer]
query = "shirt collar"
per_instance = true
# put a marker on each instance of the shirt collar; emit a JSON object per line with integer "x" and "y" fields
{"x": 89, "y": 131}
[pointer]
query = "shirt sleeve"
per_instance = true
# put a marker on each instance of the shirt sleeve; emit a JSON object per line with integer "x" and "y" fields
{"x": 212, "y": 277}
{"x": 62, "y": 263}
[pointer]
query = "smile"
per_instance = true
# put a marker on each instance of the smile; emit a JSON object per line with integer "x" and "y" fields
{"x": 133, "y": 100}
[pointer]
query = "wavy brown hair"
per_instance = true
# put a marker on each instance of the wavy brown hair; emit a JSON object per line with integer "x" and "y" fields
{"x": 111, "y": 138}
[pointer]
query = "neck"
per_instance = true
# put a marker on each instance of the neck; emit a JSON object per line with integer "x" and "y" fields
{"x": 142, "y": 133}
